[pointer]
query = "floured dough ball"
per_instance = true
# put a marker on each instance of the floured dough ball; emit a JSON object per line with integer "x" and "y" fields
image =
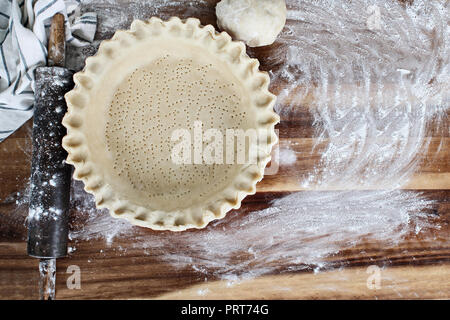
{"x": 256, "y": 22}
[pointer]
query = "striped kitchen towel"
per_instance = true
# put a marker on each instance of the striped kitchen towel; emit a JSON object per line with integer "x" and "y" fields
{"x": 24, "y": 28}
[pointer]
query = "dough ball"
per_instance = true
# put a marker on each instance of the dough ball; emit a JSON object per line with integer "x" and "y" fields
{"x": 256, "y": 22}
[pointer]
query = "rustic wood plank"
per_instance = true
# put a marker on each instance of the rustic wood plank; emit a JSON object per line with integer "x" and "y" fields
{"x": 396, "y": 283}
{"x": 419, "y": 267}
{"x": 108, "y": 272}
{"x": 432, "y": 173}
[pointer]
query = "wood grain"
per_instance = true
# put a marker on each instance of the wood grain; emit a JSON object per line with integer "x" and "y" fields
{"x": 112, "y": 273}
{"x": 396, "y": 283}
{"x": 419, "y": 267}
{"x": 57, "y": 42}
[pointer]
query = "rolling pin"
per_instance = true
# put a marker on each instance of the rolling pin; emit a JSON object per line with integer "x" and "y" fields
{"x": 50, "y": 176}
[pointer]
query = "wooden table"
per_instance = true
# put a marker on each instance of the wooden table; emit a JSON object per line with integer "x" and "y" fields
{"x": 417, "y": 268}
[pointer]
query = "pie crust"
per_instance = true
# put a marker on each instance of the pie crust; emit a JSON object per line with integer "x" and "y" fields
{"x": 142, "y": 85}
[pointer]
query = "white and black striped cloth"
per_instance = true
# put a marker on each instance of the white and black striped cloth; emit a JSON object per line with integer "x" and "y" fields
{"x": 24, "y": 27}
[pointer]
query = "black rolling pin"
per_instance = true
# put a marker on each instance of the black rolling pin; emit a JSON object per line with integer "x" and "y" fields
{"x": 50, "y": 175}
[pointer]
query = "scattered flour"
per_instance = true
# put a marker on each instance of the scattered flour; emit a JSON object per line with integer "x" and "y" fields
{"x": 295, "y": 232}
{"x": 202, "y": 292}
{"x": 285, "y": 156}
{"x": 377, "y": 94}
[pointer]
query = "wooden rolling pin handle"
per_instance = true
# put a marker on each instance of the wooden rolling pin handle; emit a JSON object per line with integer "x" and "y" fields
{"x": 57, "y": 42}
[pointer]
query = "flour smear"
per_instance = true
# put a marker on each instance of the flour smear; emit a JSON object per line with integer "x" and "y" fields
{"x": 377, "y": 88}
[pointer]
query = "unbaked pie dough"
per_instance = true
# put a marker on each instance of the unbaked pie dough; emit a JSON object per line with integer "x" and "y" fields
{"x": 143, "y": 84}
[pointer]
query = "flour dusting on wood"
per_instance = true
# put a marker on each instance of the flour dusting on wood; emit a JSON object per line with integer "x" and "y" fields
{"x": 375, "y": 92}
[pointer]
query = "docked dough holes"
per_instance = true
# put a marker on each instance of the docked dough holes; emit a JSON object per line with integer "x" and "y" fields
{"x": 256, "y": 22}
{"x": 144, "y": 85}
